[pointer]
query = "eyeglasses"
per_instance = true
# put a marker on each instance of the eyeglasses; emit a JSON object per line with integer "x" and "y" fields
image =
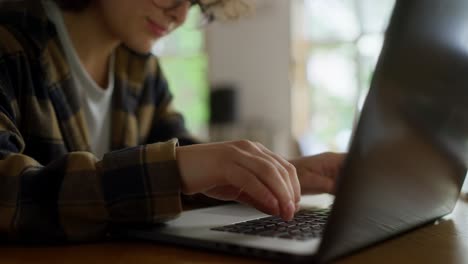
{"x": 173, "y": 4}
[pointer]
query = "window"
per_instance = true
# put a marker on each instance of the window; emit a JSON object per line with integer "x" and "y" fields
{"x": 184, "y": 62}
{"x": 336, "y": 44}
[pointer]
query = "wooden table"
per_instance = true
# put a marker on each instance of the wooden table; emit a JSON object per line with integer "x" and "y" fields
{"x": 446, "y": 242}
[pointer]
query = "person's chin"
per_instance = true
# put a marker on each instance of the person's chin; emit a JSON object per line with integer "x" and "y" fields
{"x": 143, "y": 47}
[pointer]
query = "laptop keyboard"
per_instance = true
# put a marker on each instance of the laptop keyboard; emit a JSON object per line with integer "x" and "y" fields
{"x": 307, "y": 224}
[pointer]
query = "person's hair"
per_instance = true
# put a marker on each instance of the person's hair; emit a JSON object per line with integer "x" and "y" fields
{"x": 73, "y": 5}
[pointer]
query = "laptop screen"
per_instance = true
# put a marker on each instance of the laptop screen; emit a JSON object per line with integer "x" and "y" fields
{"x": 407, "y": 160}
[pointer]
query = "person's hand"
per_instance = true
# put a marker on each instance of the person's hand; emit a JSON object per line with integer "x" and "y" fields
{"x": 242, "y": 171}
{"x": 317, "y": 174}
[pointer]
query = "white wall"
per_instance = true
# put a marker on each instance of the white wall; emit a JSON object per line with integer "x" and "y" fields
{"x": 254, "y": 53}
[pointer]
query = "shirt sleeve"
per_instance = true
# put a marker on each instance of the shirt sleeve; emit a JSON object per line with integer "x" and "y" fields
{"x": 78, "y": 197}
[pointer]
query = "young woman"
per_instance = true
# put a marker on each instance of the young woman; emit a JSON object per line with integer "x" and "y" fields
{"x": 88, "y": 137}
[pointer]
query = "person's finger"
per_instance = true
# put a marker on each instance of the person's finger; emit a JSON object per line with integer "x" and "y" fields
{"x": 292, "y": 173}
{"x": 267, "y": 173}
{"x": 279, "y": 165}
{"x": 248, "y": 183}
{"x": 245, "y": 198}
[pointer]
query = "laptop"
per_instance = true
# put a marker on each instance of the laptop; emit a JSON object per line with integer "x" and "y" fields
{"x": 406, "y": 162}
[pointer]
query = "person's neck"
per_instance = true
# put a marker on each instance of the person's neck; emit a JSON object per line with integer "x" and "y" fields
{"x": 92, "y": 41}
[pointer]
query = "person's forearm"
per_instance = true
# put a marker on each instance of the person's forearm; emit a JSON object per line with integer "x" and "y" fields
{"x": 77, "y": 197}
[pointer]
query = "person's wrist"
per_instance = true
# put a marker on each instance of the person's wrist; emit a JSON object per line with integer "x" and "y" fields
{"x": 180, "y": 157}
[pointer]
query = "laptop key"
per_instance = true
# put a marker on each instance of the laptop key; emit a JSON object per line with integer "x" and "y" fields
{"x": 294, "y": 231}
{"x": 305, "y": 225}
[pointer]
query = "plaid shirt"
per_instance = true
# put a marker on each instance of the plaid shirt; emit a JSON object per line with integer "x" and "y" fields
{"x": 51, "y": 187}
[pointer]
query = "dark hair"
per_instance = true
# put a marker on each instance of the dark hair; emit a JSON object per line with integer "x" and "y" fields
{"x": 73, "y": 5}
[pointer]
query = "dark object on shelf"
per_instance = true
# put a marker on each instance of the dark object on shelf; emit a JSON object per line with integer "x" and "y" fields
{"x": 223, "y": 104}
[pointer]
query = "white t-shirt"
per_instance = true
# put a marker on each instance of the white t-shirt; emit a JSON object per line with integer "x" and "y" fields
{"x": 96, "y": 101}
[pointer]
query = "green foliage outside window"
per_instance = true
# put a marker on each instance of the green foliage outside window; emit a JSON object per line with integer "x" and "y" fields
{"x": 187, "y": 79}
{"x": 184, "y": 63}
{"x": 342, "y": 40}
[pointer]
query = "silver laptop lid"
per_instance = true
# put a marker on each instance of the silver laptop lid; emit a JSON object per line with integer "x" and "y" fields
{"x": 407, "y": 161}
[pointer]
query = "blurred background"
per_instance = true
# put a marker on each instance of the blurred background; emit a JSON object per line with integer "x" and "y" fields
{"x": 293, "y": 76}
